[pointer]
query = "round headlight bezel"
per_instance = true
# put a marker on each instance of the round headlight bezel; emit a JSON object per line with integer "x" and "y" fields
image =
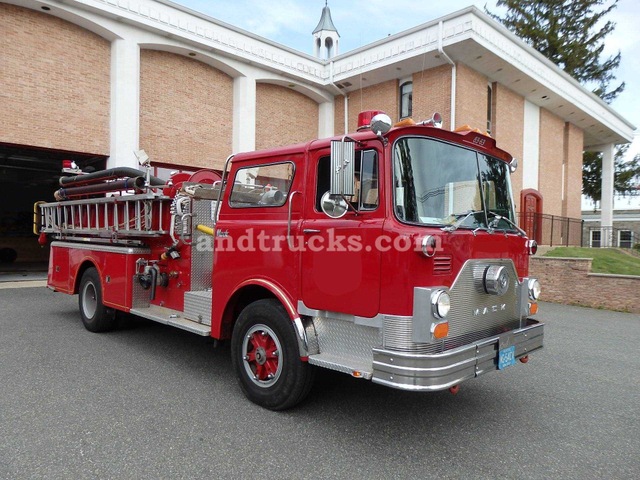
{"x": 496, "y": 280}
{"x": 440, "y": 303}
{"x": 534, "y": 289}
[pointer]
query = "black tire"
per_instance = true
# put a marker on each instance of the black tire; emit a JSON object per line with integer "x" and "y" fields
{"x": 276, "y": 381}
{"x": 95, "y": 316}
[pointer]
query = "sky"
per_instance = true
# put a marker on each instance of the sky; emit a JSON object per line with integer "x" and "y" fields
{"x": 360, "y": 22}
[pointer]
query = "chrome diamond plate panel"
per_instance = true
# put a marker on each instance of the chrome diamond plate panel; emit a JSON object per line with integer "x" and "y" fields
{"x": 197, "y": 306}
{"x": 140, "y": 298}
{"x": 201, "y": 258}
{"x": 345, "y": 346}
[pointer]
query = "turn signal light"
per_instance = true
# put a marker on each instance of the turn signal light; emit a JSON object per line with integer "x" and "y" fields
{"x": 441, "y": 330}
{"x": 533, "y": 308}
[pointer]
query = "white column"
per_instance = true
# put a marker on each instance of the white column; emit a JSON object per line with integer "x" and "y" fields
{"x": 326, "y": 119}
{"x": 606, "y": 201}
{"x": 531, "y": 146}
{"x": 244, "y": 114}
{"x": 125, "y": 103}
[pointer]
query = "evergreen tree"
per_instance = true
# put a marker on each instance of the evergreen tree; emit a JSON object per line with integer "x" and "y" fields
{"x": 571, "y": 33}
{"x": 568, "y": 33}
{"x": 627, "y": 174}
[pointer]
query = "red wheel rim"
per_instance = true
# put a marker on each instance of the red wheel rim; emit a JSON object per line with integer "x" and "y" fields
{"x": 261, "y": 352}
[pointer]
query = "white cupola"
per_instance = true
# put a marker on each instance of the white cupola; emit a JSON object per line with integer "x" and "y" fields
{"x": 325, "y": 36}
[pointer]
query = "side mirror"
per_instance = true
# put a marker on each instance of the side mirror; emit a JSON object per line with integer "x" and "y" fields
{"x": 381, "y": 124}
{"x": 343, "y": 154}
{"x": 334, "y": 206}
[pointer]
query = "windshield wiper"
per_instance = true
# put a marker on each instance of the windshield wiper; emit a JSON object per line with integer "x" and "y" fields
{"x": 496, "y": 220}
{"x": 463, "y": 216}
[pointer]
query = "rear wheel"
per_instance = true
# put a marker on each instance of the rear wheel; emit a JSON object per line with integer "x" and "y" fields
{"x": 266, "y": 358}
{"x": 95, "y": 316}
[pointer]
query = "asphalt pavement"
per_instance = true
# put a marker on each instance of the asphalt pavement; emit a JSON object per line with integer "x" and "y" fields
{"x": 150, "y": 402}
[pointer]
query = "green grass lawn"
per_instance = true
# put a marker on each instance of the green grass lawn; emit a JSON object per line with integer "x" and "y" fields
{"x": 605, "y": 260}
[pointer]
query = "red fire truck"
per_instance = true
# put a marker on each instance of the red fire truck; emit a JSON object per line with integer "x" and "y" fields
{"x": 391, "y": 254}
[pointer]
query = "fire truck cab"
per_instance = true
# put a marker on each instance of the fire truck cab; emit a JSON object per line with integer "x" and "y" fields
{"x": 391, "y": 254}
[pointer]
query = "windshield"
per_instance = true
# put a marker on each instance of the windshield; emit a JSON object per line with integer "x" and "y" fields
{"x": 437, "y": 183}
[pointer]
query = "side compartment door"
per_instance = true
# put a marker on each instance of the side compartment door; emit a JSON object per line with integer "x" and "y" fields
{"x": 59, "y": 275}
{"x": 340, "y": 262}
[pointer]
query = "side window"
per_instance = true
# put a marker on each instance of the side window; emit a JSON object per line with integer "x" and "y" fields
{"x": 366, "y": 173}
{"x": 369, "y": 180}
{"x": 262, "y": 186}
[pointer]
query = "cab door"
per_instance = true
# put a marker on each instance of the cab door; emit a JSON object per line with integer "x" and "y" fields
{"x": 340, "y": 262}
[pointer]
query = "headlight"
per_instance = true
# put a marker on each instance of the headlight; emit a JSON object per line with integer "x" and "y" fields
{"x": 441, "y": 303}
{"x": 534, "y": 289}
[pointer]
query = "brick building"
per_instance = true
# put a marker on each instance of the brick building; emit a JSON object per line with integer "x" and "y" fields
{"x": 95, "y": 80}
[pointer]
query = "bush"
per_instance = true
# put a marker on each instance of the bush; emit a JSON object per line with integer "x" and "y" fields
{"x": 636, "y": 247}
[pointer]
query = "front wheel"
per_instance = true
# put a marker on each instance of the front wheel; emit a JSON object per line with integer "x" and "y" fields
{"x": 266, "y": 358}
{"x": 95, "y": 316}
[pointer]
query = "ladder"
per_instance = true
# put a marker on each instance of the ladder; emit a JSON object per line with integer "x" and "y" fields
{"x": 109, "y": 218}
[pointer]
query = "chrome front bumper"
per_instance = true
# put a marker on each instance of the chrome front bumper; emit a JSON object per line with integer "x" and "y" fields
{"x": 430, "y": 372}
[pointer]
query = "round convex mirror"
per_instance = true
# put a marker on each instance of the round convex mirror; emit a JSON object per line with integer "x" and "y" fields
{"x": 333, "y": 206}
{"x": 381, "y": 124}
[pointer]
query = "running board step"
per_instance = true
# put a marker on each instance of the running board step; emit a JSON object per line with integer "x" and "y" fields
{"x": 343, "y": 364}
{"x": 172, "y": 318}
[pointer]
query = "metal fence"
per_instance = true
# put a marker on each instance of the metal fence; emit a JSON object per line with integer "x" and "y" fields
{"x": 552, "y": 230}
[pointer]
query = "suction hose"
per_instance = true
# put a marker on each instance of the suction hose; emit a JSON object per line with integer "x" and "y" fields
{"x": 110, "y": 174}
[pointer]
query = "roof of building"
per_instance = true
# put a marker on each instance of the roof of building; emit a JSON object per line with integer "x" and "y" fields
{"x": 325, "y": 23}
{"x": 468, "y": 36}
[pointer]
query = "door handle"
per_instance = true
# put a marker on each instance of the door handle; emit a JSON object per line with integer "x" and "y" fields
{"x": 291, "y": 195}
{"x": 310, "y": 230}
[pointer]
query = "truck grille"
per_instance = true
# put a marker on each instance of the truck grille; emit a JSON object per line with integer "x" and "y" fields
{"x": 474, "y": 314}
{"x": 442, "y": 264}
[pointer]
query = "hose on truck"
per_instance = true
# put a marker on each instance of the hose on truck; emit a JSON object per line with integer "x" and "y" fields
{"x": 109, "y": 174}
{"x": 135, "y": 183}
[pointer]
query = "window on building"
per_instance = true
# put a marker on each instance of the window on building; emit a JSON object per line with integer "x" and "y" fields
{"x": 595, "y": 237}
{"x": 489, "y": 108}
{"x": 625, "y": 238}
{"x": 406, "y": 99}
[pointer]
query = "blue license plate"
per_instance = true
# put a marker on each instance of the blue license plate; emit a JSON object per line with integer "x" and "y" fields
{"x": 506, "y": 357}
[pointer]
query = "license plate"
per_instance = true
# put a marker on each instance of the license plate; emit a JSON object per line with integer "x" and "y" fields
{"x": 506, "y": 357}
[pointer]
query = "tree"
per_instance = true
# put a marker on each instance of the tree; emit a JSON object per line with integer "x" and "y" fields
{"x": 571, "y": 33}
{"x": 627, "y": 174}
{"x": 567, "y": 32}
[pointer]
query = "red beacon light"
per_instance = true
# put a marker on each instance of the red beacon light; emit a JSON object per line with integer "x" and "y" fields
{"x": 364, "y": 118}
{"x": 375, "y": 120}
{"x": 70, "y": 167}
